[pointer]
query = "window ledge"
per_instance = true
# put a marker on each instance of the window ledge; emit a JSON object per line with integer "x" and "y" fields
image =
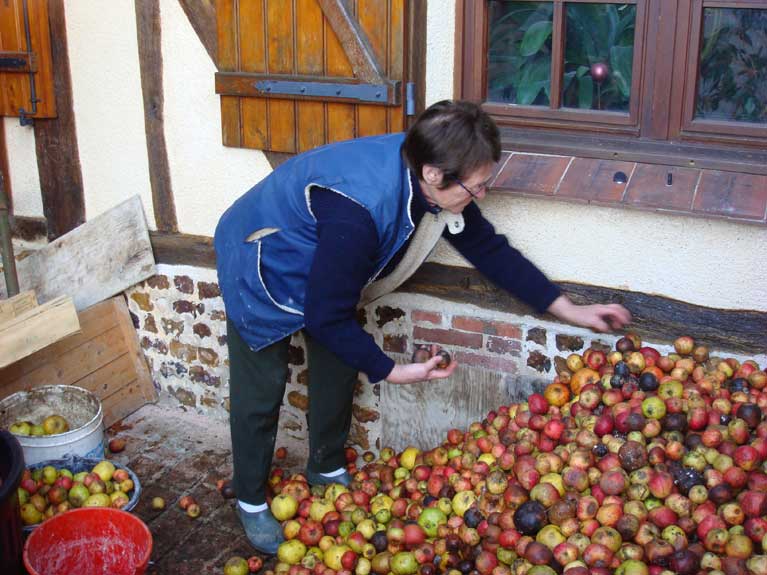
{"x": 733, "y": 196}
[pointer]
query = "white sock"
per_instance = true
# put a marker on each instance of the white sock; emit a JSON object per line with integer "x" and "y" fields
{"x": 335, "y": 473}
{"x": 252, "y": 508}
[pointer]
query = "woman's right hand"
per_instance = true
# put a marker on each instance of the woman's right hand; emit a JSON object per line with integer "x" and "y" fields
{"x": 416, "y": 372}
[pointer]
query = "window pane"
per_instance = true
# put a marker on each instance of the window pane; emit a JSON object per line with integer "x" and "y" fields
{"x": 599, "y": 52}
{"x": 519, "y": 59}
{"x": 733, "y": 65}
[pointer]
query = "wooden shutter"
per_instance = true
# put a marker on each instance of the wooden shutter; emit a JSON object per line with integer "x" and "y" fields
{"x": 316, "y": 42}
{"x": 26, "y": 68}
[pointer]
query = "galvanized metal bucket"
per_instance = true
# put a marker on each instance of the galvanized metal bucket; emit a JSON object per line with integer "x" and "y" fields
{"x": 78, "y": 406}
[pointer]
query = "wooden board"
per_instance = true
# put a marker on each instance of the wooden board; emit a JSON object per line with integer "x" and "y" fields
{"x": 37, "y": 328}
{"x": 18, "y": 304}
{"x": 104, "y": 358}
{"x": 421, "y": 414}
{"x": 95, "y": 261}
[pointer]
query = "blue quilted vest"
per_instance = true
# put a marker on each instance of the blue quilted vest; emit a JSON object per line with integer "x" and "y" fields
{"x": 265, "y": 241}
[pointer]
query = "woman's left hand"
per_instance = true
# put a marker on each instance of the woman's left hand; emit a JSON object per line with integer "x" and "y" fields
{"x": 599, "y": 317}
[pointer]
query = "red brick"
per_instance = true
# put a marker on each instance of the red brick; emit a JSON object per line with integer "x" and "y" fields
{"x": 429, "y": 316}
{"x": 493, "y": 363}
{"x": 503, "y": 329}
{"x": 395, "y": 343}
{"x": 448, "y": 337}
{"x": 503, "y": 345}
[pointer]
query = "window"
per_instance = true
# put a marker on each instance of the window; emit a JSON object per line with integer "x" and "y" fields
{"x": 636, "y": 75}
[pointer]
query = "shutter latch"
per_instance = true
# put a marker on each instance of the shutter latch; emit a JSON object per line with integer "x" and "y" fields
{"x": 410, "y": 99}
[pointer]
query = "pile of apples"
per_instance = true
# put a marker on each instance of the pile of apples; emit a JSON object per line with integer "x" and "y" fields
{"x": 629, "y": 462}
{"x": 47, "y": 491}
{"x": 51, "y": 425}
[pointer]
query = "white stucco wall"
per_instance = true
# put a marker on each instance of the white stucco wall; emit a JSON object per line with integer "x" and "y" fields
{"x": 22, "y": 165}
{"x": 705, "y": 262}
{"x": 107, "y": 101}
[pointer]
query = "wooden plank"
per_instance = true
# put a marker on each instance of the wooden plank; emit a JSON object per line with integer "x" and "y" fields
{"x": 15, "y": 87}
{"x": 281, "y": 113}
{"x": 252, "y": 50}
{"x": 149, "y": 30}
{"x": 40, "y": 36}
{"x": 71, "y": 367}
{"x": 374, "y": 22}
{"x": 37, "y": 328}
{"x": 136, "y": 355}
{"x": 415, "y": 54}
{"x": 466, "y": 397}
{"x": 340, "y": 118}
{"x": 361, "y": 51}
{"x": 109, "y": 362}
{"x": 310, "y": 59}
{"x": 226, "y": 27}
{"x": 99, "y": 259}
{"x": 202, "y": 17}
{"x": 15, "y": 306}
{"x": 5, "y": 172}
{"x": 255, "y": 127}
{"x": 58, "y": 157}
{"x": 396, "y": 61}
{"x": 94, "y": 321}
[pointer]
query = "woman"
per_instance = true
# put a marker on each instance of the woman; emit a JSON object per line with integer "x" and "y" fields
{"x": 333, "y": 229}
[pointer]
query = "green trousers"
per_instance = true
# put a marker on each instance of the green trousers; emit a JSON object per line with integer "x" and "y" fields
{"x": 257, "y": 382}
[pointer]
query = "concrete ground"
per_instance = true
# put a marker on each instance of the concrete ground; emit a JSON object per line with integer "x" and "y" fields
{"x": 175, "y": 453}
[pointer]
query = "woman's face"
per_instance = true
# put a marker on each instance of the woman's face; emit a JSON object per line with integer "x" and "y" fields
{"x": 458, "y": 194}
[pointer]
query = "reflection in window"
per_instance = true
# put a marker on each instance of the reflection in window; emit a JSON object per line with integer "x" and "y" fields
{"x": 599, "y": 51}
{"x": 519, "y": 58}
{"x": 732, "y": 82}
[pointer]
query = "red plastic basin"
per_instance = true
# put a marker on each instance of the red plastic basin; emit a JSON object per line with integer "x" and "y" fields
{"x": 89, "y": 541}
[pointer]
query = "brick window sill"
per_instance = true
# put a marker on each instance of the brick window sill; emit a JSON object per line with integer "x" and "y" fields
{"x": 709, "y": 193}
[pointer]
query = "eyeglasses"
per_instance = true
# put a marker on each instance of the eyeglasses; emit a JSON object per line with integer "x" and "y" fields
{"x": 480, "y": 188}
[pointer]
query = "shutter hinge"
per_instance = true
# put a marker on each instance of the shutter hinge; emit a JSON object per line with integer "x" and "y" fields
{"x": 410, "y": 99}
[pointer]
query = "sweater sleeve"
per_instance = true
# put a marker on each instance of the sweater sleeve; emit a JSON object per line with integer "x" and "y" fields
{"x": 504, "y": 265}
{"x": 343, "y": 263}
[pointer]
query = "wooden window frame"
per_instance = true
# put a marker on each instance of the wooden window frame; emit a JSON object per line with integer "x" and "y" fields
{"x": 659, "y": 128}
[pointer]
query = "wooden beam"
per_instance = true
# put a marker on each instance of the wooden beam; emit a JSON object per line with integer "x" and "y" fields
{"x": 4, "y": 170}
{"x": 183, "y": 249}
{"x": 415, "y": 54}
{"x": 355, "y": 42}
{"x": 29, "y": 229}
{"x": 58, "y": 157}
{"x": 150, "y": 62}
{"x": 655, "y": 317}
{"x": 202, "y": 17}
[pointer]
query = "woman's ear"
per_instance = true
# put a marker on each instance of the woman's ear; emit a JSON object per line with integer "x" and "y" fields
{"x": 432, "y": 175}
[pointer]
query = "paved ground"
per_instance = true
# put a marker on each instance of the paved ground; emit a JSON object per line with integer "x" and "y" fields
{"x": 176, "y": 453}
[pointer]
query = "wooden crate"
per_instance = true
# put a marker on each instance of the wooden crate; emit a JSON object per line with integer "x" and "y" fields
{"x": 26, "y": 327}
{"x": 104, "y": 358}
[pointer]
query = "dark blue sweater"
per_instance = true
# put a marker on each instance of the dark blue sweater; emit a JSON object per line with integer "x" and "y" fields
{"x": 343, "y": 264}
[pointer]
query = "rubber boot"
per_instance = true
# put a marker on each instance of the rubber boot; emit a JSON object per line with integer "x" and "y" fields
{"x": 318, "y": 479}
{"x": 262, "y": 529}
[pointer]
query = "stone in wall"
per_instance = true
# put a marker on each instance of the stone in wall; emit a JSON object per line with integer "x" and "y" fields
{"x": 569, "y": 342}
{"x": 208, "y": 290}
{"x": 184, "y": 284}
{"x": 186, "y": 306}
{"x": 185, "y": 397}
{"x": 159, "y": 282}
{"x": 537, "y": 335}
{"x": 303, "y": 377}
{"x": 200, "y": 375}
{"x": 296, "y": 355}
{"x": 155, "y": 344}
{"x": 183, "y": 351}
{"x": 385, "y": 314}
{"x": 218, "y": 315}
{"x": 599, "y": 345}
{"x": 207, "y": 356}
{"x": 172, "y": 327}
{"x": 149, "y": 324}
{"x": 142, "y": 301}
{"x": 538, "y": 361}
{"x": 298, "y": 400}
{"x": 201, "y": 330}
